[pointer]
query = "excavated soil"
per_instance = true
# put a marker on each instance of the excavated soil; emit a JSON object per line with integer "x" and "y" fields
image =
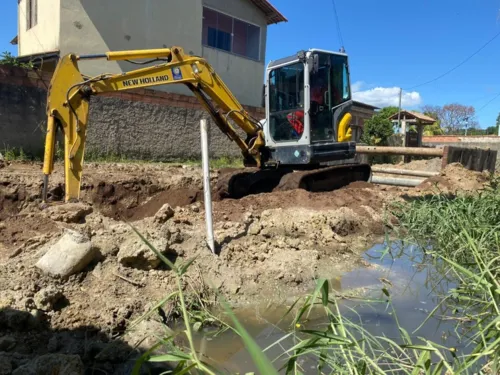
{"x": 271, "y": 247}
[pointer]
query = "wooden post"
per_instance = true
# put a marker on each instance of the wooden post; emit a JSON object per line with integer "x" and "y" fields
{"x": 420, "y": 132}
{"x": 444, "y": 160}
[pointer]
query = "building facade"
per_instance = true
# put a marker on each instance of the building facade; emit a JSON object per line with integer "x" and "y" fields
{"x": 230, "y": 34}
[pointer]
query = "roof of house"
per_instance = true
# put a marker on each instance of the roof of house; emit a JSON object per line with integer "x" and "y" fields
{"x": 273, "y": 15}
{"x": 364, "y": 105}
{"x": 39, "y": 58}
{"x": 414, "y": 116}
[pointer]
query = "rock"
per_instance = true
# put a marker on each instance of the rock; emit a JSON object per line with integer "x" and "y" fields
{"x": 1, "y": 157}
{"x": 71, "y": 254}
{"x": 163, "y": 214}
{"x": 5, "y": 366}
{"x": 16, "y": 320}
{"x": 136, "y": 254}
{"x": 254, "y": 228}
{"x": 69, "y": 212}
{"x": 52, "y": 364}
{"x": 7, "y": 343}
{"x": 46, "y": 298}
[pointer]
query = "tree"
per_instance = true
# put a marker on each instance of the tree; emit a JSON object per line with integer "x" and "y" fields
{"x": 387, "y": 112}
{"x": 492, "y": 130}
{"x": 455, "y": 117}
{"x": 6, "y": 58}
{"x": 378, "y": 129}
{"x": 497, "y": 125}
{"x": 433, "y": 111}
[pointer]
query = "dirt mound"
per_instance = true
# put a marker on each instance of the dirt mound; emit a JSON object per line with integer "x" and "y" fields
{"x": 173, "y": 197}
{"x": 455, "y": 178}
{"x": 355, "y": 196}
{"x": 430, "y": 165}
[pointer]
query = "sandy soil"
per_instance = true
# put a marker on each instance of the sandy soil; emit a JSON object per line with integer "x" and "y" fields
{"x": 271, "y": 247}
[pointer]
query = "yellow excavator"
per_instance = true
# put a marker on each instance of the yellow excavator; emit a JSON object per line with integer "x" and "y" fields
{"x": 306, "y": 129}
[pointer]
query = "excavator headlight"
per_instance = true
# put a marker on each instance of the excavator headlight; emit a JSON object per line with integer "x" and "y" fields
{"x": 195, "y": 68}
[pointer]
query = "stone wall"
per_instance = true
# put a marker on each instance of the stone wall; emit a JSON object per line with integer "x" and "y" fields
{"x": 145, "y": 124}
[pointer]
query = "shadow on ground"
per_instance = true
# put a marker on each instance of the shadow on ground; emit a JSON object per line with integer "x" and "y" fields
{"x": 29, "y": 346}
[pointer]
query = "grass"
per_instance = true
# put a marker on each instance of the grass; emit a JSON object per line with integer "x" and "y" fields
{"x": 215, "y": 163}
{"x": 459, "y": 233}
{"x": 13, "y": 154}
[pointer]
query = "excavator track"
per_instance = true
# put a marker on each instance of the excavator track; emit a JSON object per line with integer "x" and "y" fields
{"x": 325, "y": 179}
{"x": 238, "y": 183}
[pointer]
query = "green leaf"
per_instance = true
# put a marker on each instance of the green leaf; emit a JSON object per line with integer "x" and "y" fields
{"x": 419, "y": 347}
{"x": 172, "y": 357}
{"x": 319, "y": 289}
{"x": 328, "y": 335}
{"x": 324, "y": 293}
{"x": 184, "y": 267}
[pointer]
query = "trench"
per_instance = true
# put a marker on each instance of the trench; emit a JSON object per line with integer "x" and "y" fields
{"x": 416, "y": 287}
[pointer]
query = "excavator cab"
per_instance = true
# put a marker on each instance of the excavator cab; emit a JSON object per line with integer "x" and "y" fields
{"x": 308, "y": 99}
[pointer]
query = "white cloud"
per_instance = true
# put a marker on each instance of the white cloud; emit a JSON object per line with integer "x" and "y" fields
{"x": 384, "y": 96}
{"x": 356, "y": 86}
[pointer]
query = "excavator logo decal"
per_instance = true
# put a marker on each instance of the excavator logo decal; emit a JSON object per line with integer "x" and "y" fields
{"x": 145, "y": 81}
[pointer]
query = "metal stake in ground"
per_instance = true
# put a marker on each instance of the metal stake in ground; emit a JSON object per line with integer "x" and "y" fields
{"x": 206, "y": 184}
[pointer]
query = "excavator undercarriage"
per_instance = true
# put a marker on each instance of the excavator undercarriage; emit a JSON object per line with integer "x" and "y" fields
{"x": 237, "y": 183}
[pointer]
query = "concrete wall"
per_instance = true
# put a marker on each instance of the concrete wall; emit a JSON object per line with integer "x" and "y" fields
{"x": 44, "y": 36}
{"x": 22, "y": 116}
{"x": 492, "y": 144}
{"x": 143, "y": 124}
{"x": 97, "y": 26}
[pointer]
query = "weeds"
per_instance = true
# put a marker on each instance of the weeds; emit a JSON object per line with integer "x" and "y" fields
{"x": 12, "y": 154}
{"x": 217, "y": 163}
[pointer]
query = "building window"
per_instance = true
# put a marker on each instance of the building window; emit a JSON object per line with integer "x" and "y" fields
{"x": 31, "y": 13}
{"x": 230, "y": 34}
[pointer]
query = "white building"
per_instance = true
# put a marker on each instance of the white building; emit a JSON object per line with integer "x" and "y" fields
{"x": 230, "y": 34}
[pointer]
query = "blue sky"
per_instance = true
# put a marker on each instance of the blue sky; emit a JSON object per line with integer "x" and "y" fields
{"x": 391, "y": 44}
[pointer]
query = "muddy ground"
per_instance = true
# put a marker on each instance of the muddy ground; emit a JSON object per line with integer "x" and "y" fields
{"x": 271, "y": 247}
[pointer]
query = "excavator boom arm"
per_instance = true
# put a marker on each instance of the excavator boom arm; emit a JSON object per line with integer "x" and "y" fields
{"x": 69, "y": 94}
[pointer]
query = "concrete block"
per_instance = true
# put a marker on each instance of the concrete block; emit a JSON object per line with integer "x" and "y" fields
{"x": 71, "y": 254}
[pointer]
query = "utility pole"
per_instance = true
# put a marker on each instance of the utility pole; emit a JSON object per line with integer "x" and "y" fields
{"x": 399, "y": 117}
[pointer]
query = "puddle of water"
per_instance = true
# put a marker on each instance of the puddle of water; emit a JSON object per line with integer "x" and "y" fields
{"x": 416, "y": 288}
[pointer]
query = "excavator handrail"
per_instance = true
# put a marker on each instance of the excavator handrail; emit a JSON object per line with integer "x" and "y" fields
{"x": 69, "y": 94}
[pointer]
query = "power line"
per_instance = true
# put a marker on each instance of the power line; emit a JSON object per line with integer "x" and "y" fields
{"x": 338, "y": 24}
{"x": 488, "y": 103}
{"x": 459, "y": 65}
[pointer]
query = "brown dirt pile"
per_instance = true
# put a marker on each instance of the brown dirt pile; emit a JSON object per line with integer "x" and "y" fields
{"x": 453, "y": 179}
{"x": 429, "y": 165}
